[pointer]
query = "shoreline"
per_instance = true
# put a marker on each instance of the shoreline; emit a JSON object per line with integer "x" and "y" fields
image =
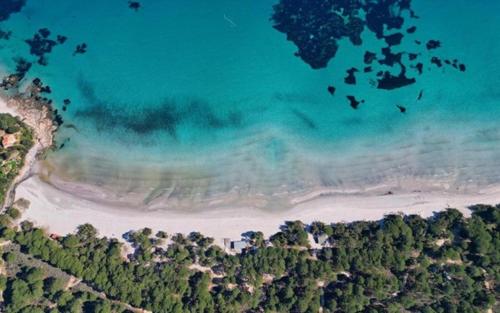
{"x": 37, "y": 117}
{"x": 60, "y": 212}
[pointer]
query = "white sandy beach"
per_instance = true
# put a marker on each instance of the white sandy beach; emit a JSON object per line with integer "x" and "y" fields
{"x": 61, "y": 213}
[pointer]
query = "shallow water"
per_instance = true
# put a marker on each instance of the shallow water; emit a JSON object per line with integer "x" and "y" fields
{"x": 190, "y": 100}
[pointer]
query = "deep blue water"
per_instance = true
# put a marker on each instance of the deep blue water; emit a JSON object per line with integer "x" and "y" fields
{"x": 202, "y": 97}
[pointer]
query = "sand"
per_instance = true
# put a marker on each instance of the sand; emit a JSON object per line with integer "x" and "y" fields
{"x": 61, "y": 212}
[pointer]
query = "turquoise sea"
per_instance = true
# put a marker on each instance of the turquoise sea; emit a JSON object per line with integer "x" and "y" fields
{"x": 189, "y": 101}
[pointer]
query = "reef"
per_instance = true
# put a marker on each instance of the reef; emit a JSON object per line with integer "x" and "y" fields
{"x": 41, "y": 45}
{"x": 331, "y": 90}
{"x": 433, "y": 44}
{"x": 353, "y": 102}
{"x": 369, "y": 57}
{"x": 80, "y": 49}
{"x": 317, "y": 27}
{"x": 13, "y": 80}
{"x": 165, "y": 116}
{"x": 9, "y": 7}
{"x": 390, "y": 81}
{"x": 350, "y": 79}
{"x": 5, "y": 34}
{"x": 411, "y": 29}
{"x": 134, "y": 5}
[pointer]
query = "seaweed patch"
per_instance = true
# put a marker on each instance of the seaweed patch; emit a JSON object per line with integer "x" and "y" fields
{"x": 317, "y": 28}
{"x": 165, "y": 116}
{"x": 8, "y": 7}
{"x": 41, "y": 44}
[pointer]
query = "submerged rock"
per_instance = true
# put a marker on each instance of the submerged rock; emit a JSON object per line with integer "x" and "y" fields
{"x": 134, "y": 5}
{"x": 389, "y": 81}
{"x": 5, "y": 35}
{"x": 353, "y": 102}
{"x": 8, "y": 7}
{"x": 350, "y": 79}
{"x": 80, "y": 49}
{"x": 401, "y": 108}
{"x": 433, "y": 44}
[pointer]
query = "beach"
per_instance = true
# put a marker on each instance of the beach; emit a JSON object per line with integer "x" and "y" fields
{"x": 60, "y": 212}
{"x": 229, "y": 131}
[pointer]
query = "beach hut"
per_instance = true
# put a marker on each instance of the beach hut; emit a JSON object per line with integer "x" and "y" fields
{"x": 238, "y": 246}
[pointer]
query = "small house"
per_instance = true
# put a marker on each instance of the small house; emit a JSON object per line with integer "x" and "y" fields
{"x": 8, "y": 140}
{"x": 238, "y": 246}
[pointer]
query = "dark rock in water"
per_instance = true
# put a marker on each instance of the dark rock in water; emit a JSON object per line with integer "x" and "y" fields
{"x": 80, "y": 49}
{"x": 433, "y": 44}
{"x": 44, "y": 32}
{"x": 437, "y": 61}
{"x": 390, "y": 58}
{"x": 369, "y": 57}
{"x": 462, "y": 67}
{"x": 67, "y": 102}
{"x": 43, "y": 61}
{"x": 402, "y": 109}
{"x": 22, "y": 66}
{"x": 13, "y": 80}
{"x": 57, "y": 118}
{"x": 8, "y": 7}
{"x": 420, "y": 68}
{"x": 316, "y": 28}
{"x": 37, "y": 82}
{"x": 350, "y": 79}
{"x": 447, "y": 62}
{"x": 420, "y": 94}
{"x": 390, "y": 82}
{"x": 381, "y": 15}
{"x": 45, "y": 89}
{"x": 394, "y": 39}
{"x": 331, "y": 90}
{"x": 39, "y": 45}
{"x": 134, "y": 5}
{"x": 61, "y": 39}
{"x": 5, "y": 35}
{"x": 353, "y": 102}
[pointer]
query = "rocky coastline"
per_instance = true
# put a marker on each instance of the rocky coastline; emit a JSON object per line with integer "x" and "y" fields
{"x": 39, "y": 116}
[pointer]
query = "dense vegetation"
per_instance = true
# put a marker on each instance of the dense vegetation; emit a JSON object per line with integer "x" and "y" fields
{"x": 446, "y": 263}
{"x": 15, "y": 141}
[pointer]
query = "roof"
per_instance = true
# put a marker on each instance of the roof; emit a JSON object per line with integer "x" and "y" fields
{"x": 239, "y": 245}
{"x": 8, "y": 140}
